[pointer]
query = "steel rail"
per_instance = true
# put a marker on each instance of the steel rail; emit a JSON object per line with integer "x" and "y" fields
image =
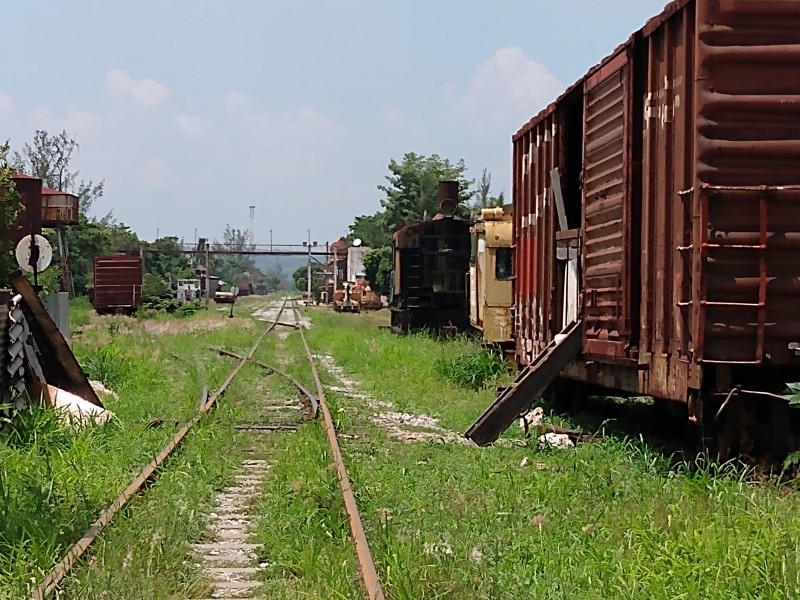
{"x": 49, "y": 584}
{"x": 368, "y": 571}
{"x": 312, "y": 400}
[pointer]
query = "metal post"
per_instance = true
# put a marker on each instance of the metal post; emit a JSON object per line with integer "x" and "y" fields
{"x": 308, "y": 277}
{"x": 208, "y": 277}
{"x": 335, "y": 274}
{"x": 270, "y": 240}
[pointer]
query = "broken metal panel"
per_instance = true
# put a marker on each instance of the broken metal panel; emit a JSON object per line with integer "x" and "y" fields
{"x": 528, "y": 386}
{"x": 58, "y": 363}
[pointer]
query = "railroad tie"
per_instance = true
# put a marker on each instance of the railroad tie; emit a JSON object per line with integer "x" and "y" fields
{"x": 229, "y": 560}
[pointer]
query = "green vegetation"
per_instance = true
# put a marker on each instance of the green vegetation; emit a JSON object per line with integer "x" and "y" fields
{"x": 607, "y": 519}
{"x": 410, "y": 195}
{"x": 467, "y": 365}
{"x": 9, "y": 209}
{"x": 54, "y": 482}
{"x": 612, "y": 519}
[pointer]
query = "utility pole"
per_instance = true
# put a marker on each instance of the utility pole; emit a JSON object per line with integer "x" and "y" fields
{"x": 270, "y": 240}
{"x": 308, "y": 273}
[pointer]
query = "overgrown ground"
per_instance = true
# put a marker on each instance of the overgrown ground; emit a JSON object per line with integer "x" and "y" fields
{"x": 612, "y": 519}
{"x": 55, "y": 482}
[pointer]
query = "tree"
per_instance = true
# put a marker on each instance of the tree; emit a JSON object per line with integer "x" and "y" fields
{"x": 165, "y": 260}
{"x": 10, "y": 207}
{"x": 378, "y": 269}
{"x": 234, "y": 267}
{"x": 483, "y": 197}
{"x": 372, "y": 230}
{"x": 300, "y": 277}
{"x": 413, "y": 186}
{"x": 48, "y": 157}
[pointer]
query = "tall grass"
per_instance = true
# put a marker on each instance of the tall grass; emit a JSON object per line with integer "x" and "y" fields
{"x": 470, "y": 366}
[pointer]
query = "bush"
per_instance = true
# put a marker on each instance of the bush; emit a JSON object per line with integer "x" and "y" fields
{"x": 470, "y": 367}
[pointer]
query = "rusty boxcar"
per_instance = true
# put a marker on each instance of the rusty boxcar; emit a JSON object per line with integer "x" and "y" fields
{"x": 117, "y": 284}
{"x": 657, "y": 217}
{"x": 431, "y": 263}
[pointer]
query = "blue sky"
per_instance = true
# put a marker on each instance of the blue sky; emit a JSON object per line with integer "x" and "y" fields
{"x": 192, "y": 111}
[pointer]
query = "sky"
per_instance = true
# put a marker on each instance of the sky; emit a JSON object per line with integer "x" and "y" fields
{"x": 193, "y": 111}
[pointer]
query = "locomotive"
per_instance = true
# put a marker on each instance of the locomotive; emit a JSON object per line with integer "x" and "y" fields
{"x": 431, "y": 260}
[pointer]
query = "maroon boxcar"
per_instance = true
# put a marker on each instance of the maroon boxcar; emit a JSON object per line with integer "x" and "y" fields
{"x": 117, "y": 284}
{"x": 678, "y": 161}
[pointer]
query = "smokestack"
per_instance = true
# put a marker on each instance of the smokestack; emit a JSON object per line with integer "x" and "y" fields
{"x": 447, "y": 200}
{"x": 252, "y": 225}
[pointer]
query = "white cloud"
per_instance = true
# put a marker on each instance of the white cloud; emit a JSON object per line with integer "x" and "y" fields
{"x": 506, "y": 88}
{"x": 145, "y": 93}
{"x": 79, "y": 124}
{"x": 236, "y": 100}
{"x": 194, "y": 127}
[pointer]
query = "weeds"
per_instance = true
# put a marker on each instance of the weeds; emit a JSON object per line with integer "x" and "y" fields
{"x": 470, "y": 366}
{"x": 107, "y": 364}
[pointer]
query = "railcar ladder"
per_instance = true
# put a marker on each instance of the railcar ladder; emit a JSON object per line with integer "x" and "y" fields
{"x": 413, "y": 278}
{"x": 529, "y": 384}
{"x": 761, "y": 305}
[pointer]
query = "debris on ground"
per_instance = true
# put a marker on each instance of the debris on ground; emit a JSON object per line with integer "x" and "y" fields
{"x": 403, "y": 426}
{"x": 99, "y": 388}
{"x": 559, "y": 441}
{"x": 73, "y": 410}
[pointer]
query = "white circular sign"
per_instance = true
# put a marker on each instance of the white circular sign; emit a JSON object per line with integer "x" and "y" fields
{"x": 235, "y": 290}
{"x": 23, "y": 253}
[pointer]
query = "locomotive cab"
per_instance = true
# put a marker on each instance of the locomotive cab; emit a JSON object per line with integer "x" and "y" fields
{"x": 491, "y": 276}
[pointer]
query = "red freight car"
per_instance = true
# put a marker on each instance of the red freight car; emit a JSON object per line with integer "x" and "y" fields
{"x": 657, "y": 206}
{"x": 117, "y": 284}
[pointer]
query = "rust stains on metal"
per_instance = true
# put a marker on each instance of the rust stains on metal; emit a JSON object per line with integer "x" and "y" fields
{"x": 689, "y": 202}
{"x": 117, "y": 284}
{"x": 59, "y": 209}
{"x": 30, "y": 196}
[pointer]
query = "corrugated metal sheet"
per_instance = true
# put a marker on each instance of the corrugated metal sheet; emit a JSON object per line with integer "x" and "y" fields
{"x": 691, "y": 200}
{"x": 748, "y": 149}
{"x": 666, "y": 273}
{"x": 117, "y": 283}
{"x": 606, "y": 197}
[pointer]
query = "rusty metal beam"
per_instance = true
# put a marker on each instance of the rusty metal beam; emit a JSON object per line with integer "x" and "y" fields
{"x": 367, "y": 565}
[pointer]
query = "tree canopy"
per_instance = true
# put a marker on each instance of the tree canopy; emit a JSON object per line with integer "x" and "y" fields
{"x": 409, "y": 195}
{"x": 413, "y": 185}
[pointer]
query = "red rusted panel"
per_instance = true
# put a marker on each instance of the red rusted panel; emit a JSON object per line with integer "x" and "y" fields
{"x": 550, "y": 141}
{"x": 747, "y": 140}
{"x": 666, "y": 271}
{"x": 117, "y": 283}
{"x": 691, "y": 200}
{"x": 606, "y": 202}
{"x": 30, "y": 196}
{"x": 59, "y": 209}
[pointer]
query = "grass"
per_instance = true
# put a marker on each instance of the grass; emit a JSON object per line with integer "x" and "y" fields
{"x": 614, "y": 519}
{"x": 54, "y": 482}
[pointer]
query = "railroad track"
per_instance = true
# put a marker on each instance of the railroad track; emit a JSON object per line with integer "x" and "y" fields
{"x": 225, "y": 556}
